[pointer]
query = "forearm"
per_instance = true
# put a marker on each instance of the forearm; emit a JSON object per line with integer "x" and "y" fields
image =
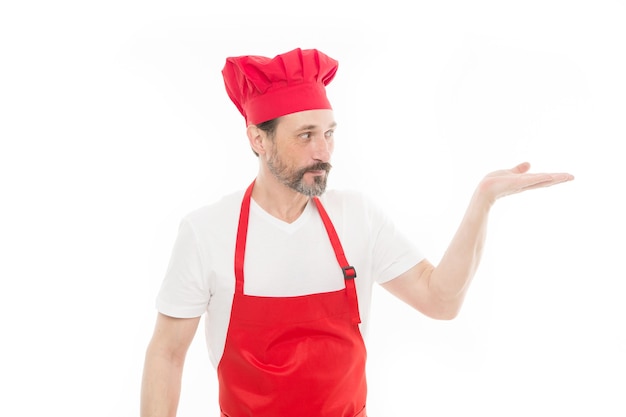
{"x": 160, "y": 389}
{"x": 439, "y": 291}
{"x": 451, "y": 278}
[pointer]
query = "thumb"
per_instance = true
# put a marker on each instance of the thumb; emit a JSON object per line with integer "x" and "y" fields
{"x": 521, "y": 168}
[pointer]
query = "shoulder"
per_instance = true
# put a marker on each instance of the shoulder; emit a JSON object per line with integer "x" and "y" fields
{"x": 222, "y": 212}
{"x": 349, "y": 198}
{"x": 352, "y": 204}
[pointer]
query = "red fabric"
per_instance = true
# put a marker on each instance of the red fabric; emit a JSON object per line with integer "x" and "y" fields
{"x": 291, "y": 356}
{"x": 266, "y": 88}
{"x": 349, "y": 271}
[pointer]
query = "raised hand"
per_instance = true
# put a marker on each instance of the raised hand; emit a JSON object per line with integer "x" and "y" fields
{"x": 517, "y": 179}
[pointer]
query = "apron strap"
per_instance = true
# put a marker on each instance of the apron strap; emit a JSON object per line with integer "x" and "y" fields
{"x": 349, "y": 273}
{"x": 242, "y": 234}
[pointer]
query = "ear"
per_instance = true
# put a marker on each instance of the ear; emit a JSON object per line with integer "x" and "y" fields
{"x": 256, "y": 138}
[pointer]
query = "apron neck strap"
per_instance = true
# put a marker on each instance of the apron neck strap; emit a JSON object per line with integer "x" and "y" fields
{"x": 242, "y": 234}
{"x": 349, "y": 273}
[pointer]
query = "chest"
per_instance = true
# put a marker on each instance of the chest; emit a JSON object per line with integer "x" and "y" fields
{"x": 290, "y": 261}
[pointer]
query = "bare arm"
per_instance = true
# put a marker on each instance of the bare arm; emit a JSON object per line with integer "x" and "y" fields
{"x": 439, "y": 291}
{"x": 163, "y": 367}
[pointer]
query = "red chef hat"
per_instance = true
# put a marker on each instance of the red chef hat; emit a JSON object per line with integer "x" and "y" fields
{"x": 265, "y": 88}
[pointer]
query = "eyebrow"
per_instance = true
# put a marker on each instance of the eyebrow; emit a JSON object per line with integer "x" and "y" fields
{"x": 313, "y": 127}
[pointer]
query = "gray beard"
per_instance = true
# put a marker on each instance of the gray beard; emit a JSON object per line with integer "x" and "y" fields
{"x": 294, "y": 180}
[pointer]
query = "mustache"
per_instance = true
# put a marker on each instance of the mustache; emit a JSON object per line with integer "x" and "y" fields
{"x": 320, "y": 166}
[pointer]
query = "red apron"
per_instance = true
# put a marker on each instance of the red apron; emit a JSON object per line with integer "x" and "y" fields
{"x": 293, "y": 356}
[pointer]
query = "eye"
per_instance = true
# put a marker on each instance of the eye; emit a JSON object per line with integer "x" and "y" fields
{"x": 329, "y": 133}
{"x": 305, "y": 135}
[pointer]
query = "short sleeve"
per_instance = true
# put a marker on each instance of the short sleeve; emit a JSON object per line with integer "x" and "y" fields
{"x": 393, "y": 252}
{"x": 184, "y": 292}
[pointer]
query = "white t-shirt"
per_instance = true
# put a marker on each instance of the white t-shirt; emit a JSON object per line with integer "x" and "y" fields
{"x": 282, "y": 259}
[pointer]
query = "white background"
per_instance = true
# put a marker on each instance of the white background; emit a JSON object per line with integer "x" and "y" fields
{"x": 114, "y": 123}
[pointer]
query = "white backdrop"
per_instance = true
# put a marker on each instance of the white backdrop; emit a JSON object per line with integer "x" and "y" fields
{"x": 114, "y": 123}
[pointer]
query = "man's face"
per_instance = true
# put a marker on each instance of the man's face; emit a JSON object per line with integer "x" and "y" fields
{"x": 300, "y": 153}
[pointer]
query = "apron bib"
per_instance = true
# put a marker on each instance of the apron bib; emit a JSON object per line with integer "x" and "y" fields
{"x": 293, "y": 356}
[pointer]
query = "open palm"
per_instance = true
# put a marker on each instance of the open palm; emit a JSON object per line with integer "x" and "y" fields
{"x": 517, "y": 179}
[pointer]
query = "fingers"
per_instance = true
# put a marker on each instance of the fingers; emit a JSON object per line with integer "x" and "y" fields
{"x": 562, "y": 177}
{"x": 530, "y": 181}
{"x": 553, "y": 178}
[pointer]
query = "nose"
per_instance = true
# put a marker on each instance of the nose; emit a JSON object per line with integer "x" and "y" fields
{"x": 322, "y": 149}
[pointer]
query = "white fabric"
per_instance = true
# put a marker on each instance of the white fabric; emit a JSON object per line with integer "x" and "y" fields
{"x": 282, "y": 259}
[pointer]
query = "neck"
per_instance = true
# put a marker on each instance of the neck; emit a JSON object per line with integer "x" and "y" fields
{"x": 277, "y": 199}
